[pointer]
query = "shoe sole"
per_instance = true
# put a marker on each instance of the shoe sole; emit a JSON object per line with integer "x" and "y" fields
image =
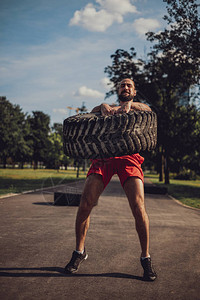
{"x": 149, "y": 278}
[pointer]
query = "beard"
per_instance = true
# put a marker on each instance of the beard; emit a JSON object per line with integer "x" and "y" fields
{"x": 124, "y": 98}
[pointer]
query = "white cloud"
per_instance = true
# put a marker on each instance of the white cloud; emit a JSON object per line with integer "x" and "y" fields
{"x": 106, "y": 83}
{"x": 100, "y": 19}
{"x": 93, "y": 20}
{"x": 142, "y": 25}
{"x": 84, "y": 91}
{"x": 117, "y": 6}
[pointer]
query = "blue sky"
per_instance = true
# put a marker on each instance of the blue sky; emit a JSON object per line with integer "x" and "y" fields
{"x": 53, "y": 52}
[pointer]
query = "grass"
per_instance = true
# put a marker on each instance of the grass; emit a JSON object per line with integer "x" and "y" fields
{"x": 186, "y": 191}
{"x": 17, "y": 180}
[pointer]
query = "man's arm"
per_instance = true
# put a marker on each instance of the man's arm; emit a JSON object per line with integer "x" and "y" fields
{"x": 140, "y": 106}
{"x": 107, "y": 109}
{"x": 96, "y": 109}
{"x": 132, "y": 106}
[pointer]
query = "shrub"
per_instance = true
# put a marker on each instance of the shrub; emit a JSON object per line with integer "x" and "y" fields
{"x": 186, "y": 175}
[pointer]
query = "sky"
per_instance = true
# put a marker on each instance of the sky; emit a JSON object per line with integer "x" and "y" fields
{"x": 53, "y": 52}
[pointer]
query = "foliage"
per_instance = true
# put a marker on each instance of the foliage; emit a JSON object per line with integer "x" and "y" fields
{"x": 181, "y": 38}
{"x": 185, "y": 146}
{"x": 55, "y": 153}
{"x": 124, "y": 65}
{"x": 186, "y": 175}
{"x": 27, "y": 138}
{"x": 14, "y": 132}
{"x": 172, "y": 67}
{"x": 39, "y": 127}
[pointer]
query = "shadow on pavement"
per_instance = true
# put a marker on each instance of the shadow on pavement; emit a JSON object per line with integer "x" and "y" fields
{"x": 43, "y": 203}
{"x": 57, "y": 272}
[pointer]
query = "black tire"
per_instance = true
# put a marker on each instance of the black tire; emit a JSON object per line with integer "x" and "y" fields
{"x": 94, "y": 136}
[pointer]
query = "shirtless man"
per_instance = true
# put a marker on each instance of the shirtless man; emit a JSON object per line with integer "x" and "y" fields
{"x": 132, "y": 181}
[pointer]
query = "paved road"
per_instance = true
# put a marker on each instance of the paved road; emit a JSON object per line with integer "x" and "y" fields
{"x": 37, "y": 240}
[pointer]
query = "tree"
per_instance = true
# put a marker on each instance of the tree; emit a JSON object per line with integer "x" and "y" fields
{"x": 58, "y": 128}
{"x": 171, "y": 68}
{"x": 174, "y": 64}
{"x": 181, "y": 38}
{"x": 124, "y": 65}
{"x": 55, "y": 154}
{"x": 22, "y": 152}
{"x": 40, "y": 128}
{"x": 13, "y": 132}
{"x": 185, "y": 140}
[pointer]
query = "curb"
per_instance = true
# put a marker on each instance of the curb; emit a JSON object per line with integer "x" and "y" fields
{"x": 31, "y": 191}
{"x": 8, "y": 195}
{"x": 180, "y": 203}
{"x": 171, "y": 197}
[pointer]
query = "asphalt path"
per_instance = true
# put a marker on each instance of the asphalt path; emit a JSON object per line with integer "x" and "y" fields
{"x": 37, "y": 240}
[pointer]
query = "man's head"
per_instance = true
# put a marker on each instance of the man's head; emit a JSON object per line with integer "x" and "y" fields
{"x": 126, "y": 90}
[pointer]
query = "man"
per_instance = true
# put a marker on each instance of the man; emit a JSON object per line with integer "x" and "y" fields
{"x": 129, "y": 170}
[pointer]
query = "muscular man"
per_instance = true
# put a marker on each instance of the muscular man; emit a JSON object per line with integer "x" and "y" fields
{"x": 129, "y": 170}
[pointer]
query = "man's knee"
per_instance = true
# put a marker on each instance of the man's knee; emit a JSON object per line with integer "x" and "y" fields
{"x": 93, "y": 188}
{"x": 87, "y": 202}
{"x": 138, "y": 207}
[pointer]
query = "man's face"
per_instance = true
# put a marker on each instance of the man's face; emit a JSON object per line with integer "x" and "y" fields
{"x": 126, "y": 91}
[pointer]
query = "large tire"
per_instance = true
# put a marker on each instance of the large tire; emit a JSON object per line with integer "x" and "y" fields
{"x": 94, "y": 136}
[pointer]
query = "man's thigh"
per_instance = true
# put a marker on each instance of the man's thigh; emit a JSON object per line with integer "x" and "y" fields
{"x": 134, "y": 189}
{"x": 93, "y": 188}
{"x": 104, "y": 168}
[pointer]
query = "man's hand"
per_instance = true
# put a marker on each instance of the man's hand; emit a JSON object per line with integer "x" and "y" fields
{"x": 107, "y": 110}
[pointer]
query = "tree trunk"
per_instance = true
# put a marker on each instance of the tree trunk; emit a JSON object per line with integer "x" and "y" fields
{"x": 21, "y": 165}
{"x": 167, "y": 169}
{"x": 35, "y": 166}
{"x": 161, "y": 163}
{"x": 4, "y": 162}
{"x": 77, "y": 174}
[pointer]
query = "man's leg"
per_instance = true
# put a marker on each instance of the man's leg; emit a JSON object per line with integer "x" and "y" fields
{"x": 92, "y": 190}
{"x": 134, "y": 190}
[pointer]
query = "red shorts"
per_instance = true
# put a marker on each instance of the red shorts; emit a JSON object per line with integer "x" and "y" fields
{"x": 124, "y": 166}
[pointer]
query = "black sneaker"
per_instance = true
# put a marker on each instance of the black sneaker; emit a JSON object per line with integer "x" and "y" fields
{"x": 76, "y": 260}
{"x": 149, "y": 273}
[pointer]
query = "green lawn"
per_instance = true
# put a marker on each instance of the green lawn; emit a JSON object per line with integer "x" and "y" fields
{"x": 186, "y": 191}
{"x": 17, "y": 180}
